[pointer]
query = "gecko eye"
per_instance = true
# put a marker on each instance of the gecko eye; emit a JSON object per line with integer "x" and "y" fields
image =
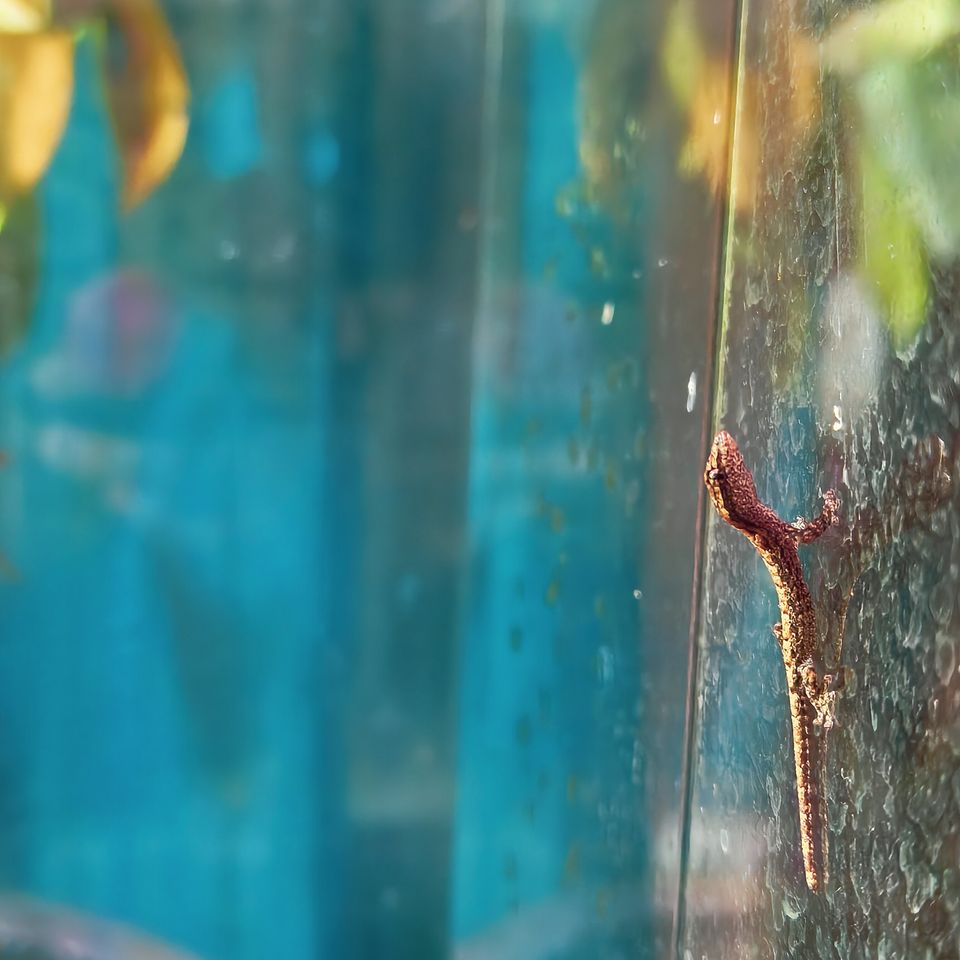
{"x": 716, "y": 474}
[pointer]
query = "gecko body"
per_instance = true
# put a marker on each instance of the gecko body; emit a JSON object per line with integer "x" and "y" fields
{"x": 734, "y": 494}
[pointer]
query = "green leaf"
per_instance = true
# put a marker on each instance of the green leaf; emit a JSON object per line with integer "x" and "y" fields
{"x": 905, "y": 30}
{"x": 894, "y": 257}
{"x": 682, "y": 58}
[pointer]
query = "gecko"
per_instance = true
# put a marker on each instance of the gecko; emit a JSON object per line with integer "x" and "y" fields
{"x": 810, "y": 692}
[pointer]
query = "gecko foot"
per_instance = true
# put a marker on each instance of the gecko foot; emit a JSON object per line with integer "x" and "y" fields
{"x": 820, "y": 694}
{"x": 806, "y": 531}
{"x": 837, "y": 681}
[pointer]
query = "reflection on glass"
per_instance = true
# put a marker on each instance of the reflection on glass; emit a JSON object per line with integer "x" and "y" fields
{"x": 44, "y": 931}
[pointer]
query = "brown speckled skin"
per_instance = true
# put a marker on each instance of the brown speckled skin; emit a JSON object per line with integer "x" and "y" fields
{"x": 734, "y": 495}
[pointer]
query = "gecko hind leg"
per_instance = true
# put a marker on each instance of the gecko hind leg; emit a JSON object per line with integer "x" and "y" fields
{"x": 820, "y": 694}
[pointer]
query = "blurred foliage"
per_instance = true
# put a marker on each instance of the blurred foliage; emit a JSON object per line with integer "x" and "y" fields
{"x": 18, "y": 269}
{"x": 703, "y": 85}
{"x": 896, "y": 64}
{"x": 894, "y": 259}
{"x": 24, "y": 15}
{"x": 147, "y": 95}
{"x": 36, "y": 86}
{"x": 613, "y": 89}
{"x": 146, "y": 88}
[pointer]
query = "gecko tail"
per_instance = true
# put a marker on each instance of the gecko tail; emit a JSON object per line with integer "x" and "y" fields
{"x": 815, "y": 845}
{"x": 812, "y": 802}
{"x": 816, "y": 860}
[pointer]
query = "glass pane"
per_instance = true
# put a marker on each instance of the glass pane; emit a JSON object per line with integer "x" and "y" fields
{"x": 839, "y": 365}
{"x": 597, "y": 280}
{"x": 355, "y": 375}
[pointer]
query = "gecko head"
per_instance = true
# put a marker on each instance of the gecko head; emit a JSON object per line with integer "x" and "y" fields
{"x": 728, "y": 479}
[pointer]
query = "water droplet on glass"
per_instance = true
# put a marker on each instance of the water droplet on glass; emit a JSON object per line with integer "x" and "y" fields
{"x": 791, "y": 908}
{"x": 946, "y": 657}
{"x": 606, "y": 318}
{"x": 605, "y": 664}
{"x": 283, "y": 248}
{"x": 837, "y": 418}
{"x": 724, "y": 840}
{"x": 942, "y": 600}
{"x": 691, "y": 391}
{"x": 637, "y": 594}
{"x": 662, "y": 262}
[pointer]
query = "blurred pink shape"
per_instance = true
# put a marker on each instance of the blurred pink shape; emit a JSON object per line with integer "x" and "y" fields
{"x": 119, "y": 335}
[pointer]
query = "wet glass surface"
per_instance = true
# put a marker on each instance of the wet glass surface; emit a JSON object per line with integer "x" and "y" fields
{"x": 839, "y": 367}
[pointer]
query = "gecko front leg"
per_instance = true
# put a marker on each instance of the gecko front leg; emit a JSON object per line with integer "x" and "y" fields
{"x": 807, "y": 531}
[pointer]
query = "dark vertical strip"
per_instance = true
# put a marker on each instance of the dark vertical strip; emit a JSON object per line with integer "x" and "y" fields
{"x": 402, "y": 381}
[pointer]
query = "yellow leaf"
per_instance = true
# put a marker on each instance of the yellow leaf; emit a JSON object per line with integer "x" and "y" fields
{"x": 704, "y": 87}
{"x": 148, "y": 99}
{"x": 24, "y": 16}
{"x": 708, "y": 133}
{"x": 36, "y": 88}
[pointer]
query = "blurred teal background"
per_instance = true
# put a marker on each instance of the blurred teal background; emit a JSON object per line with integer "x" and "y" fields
{"x": 341, "y": 595}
